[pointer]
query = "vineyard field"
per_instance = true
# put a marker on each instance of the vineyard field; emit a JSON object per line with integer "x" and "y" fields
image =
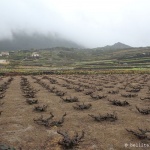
{"x": 107, "y": 111}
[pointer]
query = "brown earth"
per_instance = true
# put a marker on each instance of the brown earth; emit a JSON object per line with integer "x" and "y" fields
{"x": 18, "y": 129}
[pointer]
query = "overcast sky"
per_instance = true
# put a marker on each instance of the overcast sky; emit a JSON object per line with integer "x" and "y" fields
{"x": 93, "y": 23}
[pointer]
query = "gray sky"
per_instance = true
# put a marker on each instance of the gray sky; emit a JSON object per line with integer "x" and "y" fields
{"x": 93, "y": 23}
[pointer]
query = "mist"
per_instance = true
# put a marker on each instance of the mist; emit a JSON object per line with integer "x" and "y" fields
{"x": 91, "y": 23}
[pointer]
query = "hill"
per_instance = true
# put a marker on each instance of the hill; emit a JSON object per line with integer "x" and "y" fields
{"x": 81, "y": 58}
{"x": 116, "y": 46}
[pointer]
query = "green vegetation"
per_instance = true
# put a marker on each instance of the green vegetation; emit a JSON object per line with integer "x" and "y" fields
{"x": 61, "y": 58}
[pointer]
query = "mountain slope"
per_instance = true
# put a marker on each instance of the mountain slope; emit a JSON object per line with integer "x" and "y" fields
{"x": 116, "y": 46}
{"x": 22, "y": 41}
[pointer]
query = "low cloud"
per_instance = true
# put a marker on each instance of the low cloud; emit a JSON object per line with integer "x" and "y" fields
{"x": 91, "y": 23}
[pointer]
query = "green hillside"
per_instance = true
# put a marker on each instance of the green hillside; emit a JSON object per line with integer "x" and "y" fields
{"x": 60, "y": 57}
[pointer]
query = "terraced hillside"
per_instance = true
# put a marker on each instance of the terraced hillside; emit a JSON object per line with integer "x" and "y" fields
{"x": 60, "y": 57}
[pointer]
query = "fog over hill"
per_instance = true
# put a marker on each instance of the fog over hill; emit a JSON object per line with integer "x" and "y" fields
{"x": 22, "y": 41}
{"x": 91, "y": 23}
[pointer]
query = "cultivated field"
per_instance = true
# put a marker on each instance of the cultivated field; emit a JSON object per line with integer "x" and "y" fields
{"x": 107, "y": 112}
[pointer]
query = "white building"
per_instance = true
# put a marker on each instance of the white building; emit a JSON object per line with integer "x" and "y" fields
{"x": 35, "y": 54}
{"x": 3, "y": 61}
{"x": 5, "y": 53}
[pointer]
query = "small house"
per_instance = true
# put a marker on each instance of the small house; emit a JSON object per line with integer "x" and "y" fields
{"x": 5, "y": 53}
{"x": 35, "y": 54}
